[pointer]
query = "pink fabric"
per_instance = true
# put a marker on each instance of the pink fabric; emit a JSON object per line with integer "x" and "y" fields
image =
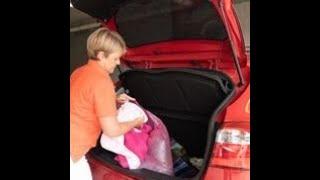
{"x": 137, "y": 142}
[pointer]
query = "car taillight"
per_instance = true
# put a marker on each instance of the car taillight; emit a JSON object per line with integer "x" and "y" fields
{"x": 232, "y": 148}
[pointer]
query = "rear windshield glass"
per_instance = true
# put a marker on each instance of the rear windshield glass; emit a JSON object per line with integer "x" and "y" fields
{"x": 148, "y": 21}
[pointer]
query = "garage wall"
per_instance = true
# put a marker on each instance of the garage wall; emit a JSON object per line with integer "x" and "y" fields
{"x": 78, "y": 41}
{"x": 243, "y": 13}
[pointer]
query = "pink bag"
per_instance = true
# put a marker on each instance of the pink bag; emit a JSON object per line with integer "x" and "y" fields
{"x": 158, "y": 157}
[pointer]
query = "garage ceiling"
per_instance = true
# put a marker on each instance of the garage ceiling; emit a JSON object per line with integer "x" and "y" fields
{"x": 78, "y": 18}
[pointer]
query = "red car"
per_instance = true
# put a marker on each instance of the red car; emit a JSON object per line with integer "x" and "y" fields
{"x": 187, "y": 64}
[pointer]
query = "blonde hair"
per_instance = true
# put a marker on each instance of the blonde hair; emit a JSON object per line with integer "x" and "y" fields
{"x": 104, "y": 40}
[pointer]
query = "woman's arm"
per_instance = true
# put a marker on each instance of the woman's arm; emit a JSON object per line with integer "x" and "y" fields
{"x": 112, "y": 128}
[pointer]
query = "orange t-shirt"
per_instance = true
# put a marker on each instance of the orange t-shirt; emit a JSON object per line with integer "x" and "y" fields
{"x": 92, "y": 95}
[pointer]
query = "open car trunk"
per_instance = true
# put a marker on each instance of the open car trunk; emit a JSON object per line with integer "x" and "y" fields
{"x": 188, "y": 101}
{"x": 174, "y": 33}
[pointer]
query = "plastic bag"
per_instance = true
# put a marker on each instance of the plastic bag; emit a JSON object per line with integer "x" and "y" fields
{"x": 159, "y": 156}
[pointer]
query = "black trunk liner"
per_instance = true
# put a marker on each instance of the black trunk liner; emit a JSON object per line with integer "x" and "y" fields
{"x": 184, "y": 99}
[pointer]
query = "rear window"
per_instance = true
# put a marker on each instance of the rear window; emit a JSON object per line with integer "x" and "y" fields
{"x": 150, "y": 21}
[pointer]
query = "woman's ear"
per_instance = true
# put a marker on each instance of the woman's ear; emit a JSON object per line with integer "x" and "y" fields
{"x": 100, "y": 55}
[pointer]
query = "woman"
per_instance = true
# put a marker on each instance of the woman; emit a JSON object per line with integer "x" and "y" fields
{"x": 93, "y": 100}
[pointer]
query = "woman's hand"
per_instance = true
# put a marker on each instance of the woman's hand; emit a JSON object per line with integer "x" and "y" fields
{"x": 139, "y": 122}
{"x": 122, "y": 98}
